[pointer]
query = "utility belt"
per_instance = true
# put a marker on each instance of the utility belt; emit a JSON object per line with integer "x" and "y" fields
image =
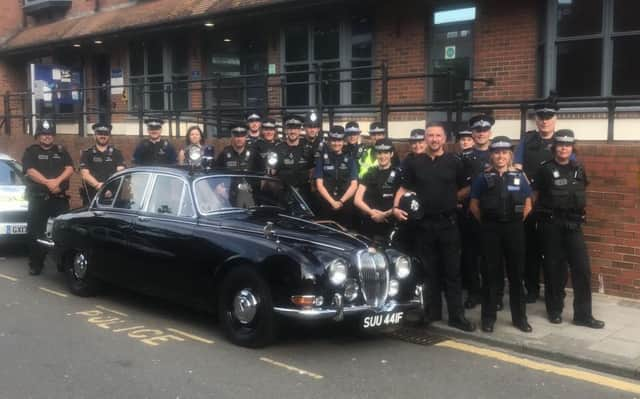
{"x": 47, "y": 196}
{"x": 570, "y": 219}
{"x": 437, "y": 217}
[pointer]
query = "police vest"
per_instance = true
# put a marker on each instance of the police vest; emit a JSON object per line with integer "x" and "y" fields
{"x": 155, "y": 153}
{"x": 535, "y": 153}
{"x": 381, "y": 187}
{"x": 50, "y": 163}
{"x": 294, "y": 163}
{"x": 567, "y": 191}
{"x": 336, "y": 174}
{"x": 241, "y": 162}
{"x": 503, "y": 200}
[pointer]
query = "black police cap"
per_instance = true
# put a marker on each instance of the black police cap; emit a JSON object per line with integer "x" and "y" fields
{"x": 481, "y": 122}
{"x": 312, "y": 119}
{"x": 464, "y": 133}
{"x": 416, "y": 135}
{"x": 239, "y": 131}
{"x": 546, "y": 109}
{"x": 377, "y": 128}
{"x": 269, "y": 123}
{"x": 154, "y": 123}
{"x": 253, "y": 116}
{"x": 352, "y": 128}
{"x": 383, "y": 145}
{"x": 336, "y": 133}
{"x": 101, "y": 128}
{"x": 46, "y": 126}
{"x": 564, "y": 136}
{"x": 501, "y": 143}
{"x": 293, "y": 121}
{"x": 410, "y": 203}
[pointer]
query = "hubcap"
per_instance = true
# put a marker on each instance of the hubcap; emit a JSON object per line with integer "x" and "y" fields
{"x": 80, "y": 265}
{"x": 245, "y": 306}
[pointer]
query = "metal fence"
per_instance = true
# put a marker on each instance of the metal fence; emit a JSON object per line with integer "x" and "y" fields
{"x": 222, "y": 100}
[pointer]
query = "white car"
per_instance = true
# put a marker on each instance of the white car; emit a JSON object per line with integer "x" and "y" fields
{"x": 13, "y": 200}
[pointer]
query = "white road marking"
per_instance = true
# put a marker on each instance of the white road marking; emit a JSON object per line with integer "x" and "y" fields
{"x": 53, "y": 292}
{"x": 292, "y": 368}
{"x": 4, "y": 276}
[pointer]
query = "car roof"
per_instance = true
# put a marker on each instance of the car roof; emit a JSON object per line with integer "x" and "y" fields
{"x": 5, "y": 157}
{"x": 187, "y": 172}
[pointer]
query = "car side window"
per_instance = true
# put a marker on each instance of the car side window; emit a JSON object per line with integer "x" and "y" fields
{"x": 167, "y": 196}
{"x": 186, "y": 208}
{"x": 108, "y": 193}
{"x": 131, "y": 193}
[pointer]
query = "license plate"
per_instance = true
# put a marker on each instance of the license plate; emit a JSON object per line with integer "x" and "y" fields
{"x": 14, "y": 228}
{"x": 382, "y": 320}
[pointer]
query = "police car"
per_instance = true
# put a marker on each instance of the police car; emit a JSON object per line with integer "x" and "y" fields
{"x": 13, "y": 201}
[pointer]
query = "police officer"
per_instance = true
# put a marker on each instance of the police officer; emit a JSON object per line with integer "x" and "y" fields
{"x": 469, "y": 229}
{"x": 98, "y": 162}
{"x": 312, "y": 130}
{"x": 354, "y": 147}
{"x": 266, "y": 145}
{"x": 239, "y": 156}
{"x": 48, "y": 167}
{"x": 254, "y": 127}
{"x": 295, "y": 159}
{"x": 436, "y": 177}
{"x": 154, "y": 150}
{"x": 336, "y": 177}
{"x": 561, "y": 200}
{"x": 534, "y": 149}
{"x": 195, "y": 143}
{"x": 500, "y": 201}
{"x": 374, "y": 197}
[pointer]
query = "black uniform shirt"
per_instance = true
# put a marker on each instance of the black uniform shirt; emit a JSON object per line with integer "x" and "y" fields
{"x": 561, "y": 187}
{"x": 101, "y": 164}
{"x": 49, "y": 162}
{"x": 381, "y": 185}
{"x": 158, "y": 153}
{"x": 244, "y": 161}
{"x": 436, "y": 181}
{"x": 263, "y": 148}
{"x": 294, "y": 163}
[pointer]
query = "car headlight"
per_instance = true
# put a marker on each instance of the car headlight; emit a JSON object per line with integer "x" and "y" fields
{"x": 403, "y": 267}
{"x": 337, "y": 271}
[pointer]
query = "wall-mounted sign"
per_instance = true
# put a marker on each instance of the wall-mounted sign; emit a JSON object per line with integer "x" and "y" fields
{"x": 450, "y": 52}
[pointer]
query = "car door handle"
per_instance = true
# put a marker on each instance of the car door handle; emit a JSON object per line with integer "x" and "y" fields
{"x": 98, "y": 213}
{"x": 143, "y": 218}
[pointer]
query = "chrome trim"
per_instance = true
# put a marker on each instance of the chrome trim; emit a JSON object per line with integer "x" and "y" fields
{"x": 46, "y": 243}
{"x": 339, "y": 304}
{"x": 420, "y": 292}
{"x": 319, "y": 314}
{"x": 328, "y": 228}
{"x": 374, "y": 283}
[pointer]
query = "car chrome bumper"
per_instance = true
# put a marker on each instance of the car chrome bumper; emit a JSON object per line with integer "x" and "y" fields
{"x": 337, "y": 311}
{"x": 46, "y": 242}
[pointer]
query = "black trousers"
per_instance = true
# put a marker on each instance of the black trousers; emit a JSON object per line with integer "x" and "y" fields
{"x": 438, "y": 244}
{"x": 471, "y": 253}
{"x": 40, "y": 209}
{"x": 563, "y": 246}
{"x": 344, "y": 215}
{"x": 503, "y": 248}
{"x": 533, "y": 263}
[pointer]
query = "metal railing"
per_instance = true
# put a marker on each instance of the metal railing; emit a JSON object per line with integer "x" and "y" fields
{"x": 221, "y": 100}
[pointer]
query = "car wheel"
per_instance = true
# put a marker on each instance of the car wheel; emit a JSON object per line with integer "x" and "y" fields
{"x": 245, "y": 308}
{"x": 80, "y": 275}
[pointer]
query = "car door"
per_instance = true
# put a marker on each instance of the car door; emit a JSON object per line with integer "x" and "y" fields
{"x": 162, "y": 240}
{"x": 113, "y": 216}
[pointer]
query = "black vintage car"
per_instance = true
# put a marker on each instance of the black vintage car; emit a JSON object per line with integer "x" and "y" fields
{"x": 238, "y": 244}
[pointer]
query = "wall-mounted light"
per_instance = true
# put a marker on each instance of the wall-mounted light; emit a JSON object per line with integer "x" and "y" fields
{"x": 226, "y": 40}
{"x": 76, "y": 45}
{"x": 209, "y": 24}
{"x": 97, "y": 41}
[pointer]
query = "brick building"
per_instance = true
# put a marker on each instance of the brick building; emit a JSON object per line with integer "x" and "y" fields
{"x": 207, "y": 61}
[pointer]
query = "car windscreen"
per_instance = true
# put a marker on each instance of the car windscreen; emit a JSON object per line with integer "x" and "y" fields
{"x": 220, "y": 193}
{"x": 11, "y": 174}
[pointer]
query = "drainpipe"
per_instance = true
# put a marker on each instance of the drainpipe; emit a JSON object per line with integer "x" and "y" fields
{"x": 97, "y": 6}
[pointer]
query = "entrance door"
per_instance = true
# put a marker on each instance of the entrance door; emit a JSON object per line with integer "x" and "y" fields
{"x": 103, "y": 76}
{"x": 451, "y": 51}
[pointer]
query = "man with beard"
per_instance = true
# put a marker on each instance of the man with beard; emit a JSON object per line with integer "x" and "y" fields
{"x": 154, "y": 150}
{"x": 295, "y": 159}
{"x": 238, "y": 157}
{"x": 98, "y": 162}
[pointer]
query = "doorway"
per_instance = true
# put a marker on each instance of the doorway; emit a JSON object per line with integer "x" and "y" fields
{"x": 102, "y": 70}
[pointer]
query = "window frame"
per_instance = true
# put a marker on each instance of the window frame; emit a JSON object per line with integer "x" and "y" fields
{"x": 550, "y": 40}
{"x": 185, "y": 191}
{"x": 345, "y": 59}
{"x": 145, "y": 193}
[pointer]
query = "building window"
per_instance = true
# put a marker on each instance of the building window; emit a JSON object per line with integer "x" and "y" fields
{"x": 589, "y": 48}
{"x": 323, "y": 48}
{"x": 159, "y": 66}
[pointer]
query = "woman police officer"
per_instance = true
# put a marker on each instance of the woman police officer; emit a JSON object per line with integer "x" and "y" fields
{"x": 501, "y": 200}
{"x": 336, "y": 177}
{"x": 559, "y": 187}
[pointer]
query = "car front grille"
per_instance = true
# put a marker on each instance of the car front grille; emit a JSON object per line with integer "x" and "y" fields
{"x": 374, "y": 277}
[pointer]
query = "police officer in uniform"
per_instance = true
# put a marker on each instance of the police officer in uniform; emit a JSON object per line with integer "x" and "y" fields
{"x": 313, "y": 130}
{"x": 437, "y": 177}
{"x": 534, "y": 149}
{"x": 238, "y": 156}
{"x": 154, "y": 150}
{"x": 469, "y": 229}
{"x": 336, "y": 177}
{"x": 354, "y": 147}
{"x": 254, "y": 127}
{"x": 48, "y": 168}
{"x": 374, "y": 197}
{"x": 98, "y": 162}
{"x": 195, "y": 143}
{"x": 294, "y": 158}
{"x": 266, "y": 145}
{"x": 560, "y": 186}
{"x": 500, "y": 201}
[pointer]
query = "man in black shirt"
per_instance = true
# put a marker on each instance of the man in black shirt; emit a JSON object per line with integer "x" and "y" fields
{"x": 98, "y": 162}
{"x": 295, "y": 159}
{"x": 266, "y": 145}
{"x": 155, "y": 150}
{"x": 436, "y": 177}
{"x": 238, "y": 157}
{"x": 254, "y": 127}
{"x": 48, "y": 167}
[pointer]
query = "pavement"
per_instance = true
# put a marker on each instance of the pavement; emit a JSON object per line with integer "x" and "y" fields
{"x": 614, "y": 349}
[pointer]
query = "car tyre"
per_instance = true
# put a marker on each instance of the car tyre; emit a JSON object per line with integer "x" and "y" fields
{"x": 245, "y": 308}
{"x": 80, "y": 275}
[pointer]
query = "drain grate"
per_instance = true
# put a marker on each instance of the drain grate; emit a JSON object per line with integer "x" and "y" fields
{"x": 418, "y": 336}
